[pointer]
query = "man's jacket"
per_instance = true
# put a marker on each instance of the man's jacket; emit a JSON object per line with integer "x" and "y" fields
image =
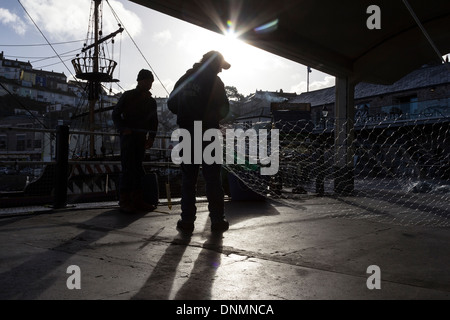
{"x": 199, "y": 95}
{"x": 137, "y": 111}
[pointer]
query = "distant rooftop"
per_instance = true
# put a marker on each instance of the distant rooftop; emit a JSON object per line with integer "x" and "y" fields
{"x": 426, "y": 76}
{"x": 14, "y": 63}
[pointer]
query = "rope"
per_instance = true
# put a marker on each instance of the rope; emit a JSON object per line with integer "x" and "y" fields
{"x": 137, "y": 47}
{"x": 48, "y": 42}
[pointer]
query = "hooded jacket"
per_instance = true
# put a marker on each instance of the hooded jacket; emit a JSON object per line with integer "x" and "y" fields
{"x": 199, "y": 95}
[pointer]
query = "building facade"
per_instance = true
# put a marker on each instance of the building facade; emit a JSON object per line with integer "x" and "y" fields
{"x": 422, "y": 94}
{"x": 11, "y": 69}
{"x": 41, "y": 99}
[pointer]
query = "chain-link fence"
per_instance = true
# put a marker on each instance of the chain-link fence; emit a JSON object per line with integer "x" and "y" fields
{"x": 400, "y": 171}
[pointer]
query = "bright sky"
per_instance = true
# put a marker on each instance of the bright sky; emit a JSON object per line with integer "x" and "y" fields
{"x": 169, "y": 46}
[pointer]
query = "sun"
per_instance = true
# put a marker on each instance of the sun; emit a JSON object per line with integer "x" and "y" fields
{"x": 246, "y": 60}
{"x": 236, "y": 52}
{"x": 232, "y": 47}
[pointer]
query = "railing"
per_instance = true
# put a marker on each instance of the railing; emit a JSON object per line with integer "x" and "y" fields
{"x": 54, "y": 173}
{"x": 398, "y": 114}
{"x": 427, "y": 110}
{"x": 84, "y": 68}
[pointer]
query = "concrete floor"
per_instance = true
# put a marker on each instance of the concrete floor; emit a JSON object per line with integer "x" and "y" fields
{"x": 315, "y": 251}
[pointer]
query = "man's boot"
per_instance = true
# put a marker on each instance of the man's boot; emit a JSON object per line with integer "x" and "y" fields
{"x": 139, "y": 203}
{"x": 125, "y": 203}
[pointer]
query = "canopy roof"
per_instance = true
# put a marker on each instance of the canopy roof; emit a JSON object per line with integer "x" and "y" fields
{"x": 330, "y": 36}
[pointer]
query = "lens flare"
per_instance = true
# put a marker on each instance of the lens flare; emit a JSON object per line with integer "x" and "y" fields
{"x": 268, "y": 27}
{"x": 230, "y": 32}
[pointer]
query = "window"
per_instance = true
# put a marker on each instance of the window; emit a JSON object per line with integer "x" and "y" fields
{"x": 20, "y": 142}
{"x": 407, "y": 104}
{"x": 3, "y": 142}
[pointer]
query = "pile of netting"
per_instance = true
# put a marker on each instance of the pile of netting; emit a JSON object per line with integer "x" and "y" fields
{"x": 400, "y": 171}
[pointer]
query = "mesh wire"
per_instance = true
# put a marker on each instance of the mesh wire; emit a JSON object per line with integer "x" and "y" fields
{"x": 401, "y": 170}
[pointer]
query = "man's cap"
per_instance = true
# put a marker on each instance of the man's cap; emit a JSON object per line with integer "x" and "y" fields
{"x": 216, "y": 56}
{"x": 145, "y": 74}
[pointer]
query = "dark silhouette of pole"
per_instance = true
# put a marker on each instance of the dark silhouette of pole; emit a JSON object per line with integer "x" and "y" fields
{"x": 94, "y": 85}
{"x": 62, "y": 166}
{"x": 308, "y": 71}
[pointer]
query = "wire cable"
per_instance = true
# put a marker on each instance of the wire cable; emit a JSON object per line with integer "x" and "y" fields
{"x": 39, "y": 44}
{"x": 40, "y": 31}
{"x": 22, "y": 105}
{"x": 137, "y": 47}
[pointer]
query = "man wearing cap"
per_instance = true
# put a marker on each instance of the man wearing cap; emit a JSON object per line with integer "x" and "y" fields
{"x": 199, "y": 95}
{"x": 135, "y": 117}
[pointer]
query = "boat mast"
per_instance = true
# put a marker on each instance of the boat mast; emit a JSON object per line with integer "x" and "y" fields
{"x": 94, "y": 86}
{"x": 95, "y": 70}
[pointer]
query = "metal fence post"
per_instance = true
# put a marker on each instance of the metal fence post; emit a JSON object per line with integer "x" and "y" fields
{"x": 62, "y": 166}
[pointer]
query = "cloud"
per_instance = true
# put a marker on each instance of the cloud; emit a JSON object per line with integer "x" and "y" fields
{"x": 129, "y": 19}
{"x": 60, "y": 20}
{"x": 11, "y": 19}
{"x": 163, "y": 37}
{"x": 327, "y": 82}
{"x": 68, "y": 20}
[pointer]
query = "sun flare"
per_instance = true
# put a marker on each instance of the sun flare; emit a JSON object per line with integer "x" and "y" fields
{"x": 236, "y": 52}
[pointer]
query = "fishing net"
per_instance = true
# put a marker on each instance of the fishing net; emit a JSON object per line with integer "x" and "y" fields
{"x": 401, "y": 169}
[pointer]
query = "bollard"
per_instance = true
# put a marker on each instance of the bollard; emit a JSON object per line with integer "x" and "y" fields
{"x": 62, "y": 166}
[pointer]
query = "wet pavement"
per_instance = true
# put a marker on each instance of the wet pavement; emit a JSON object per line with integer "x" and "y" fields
{"x": 315, "y": 251}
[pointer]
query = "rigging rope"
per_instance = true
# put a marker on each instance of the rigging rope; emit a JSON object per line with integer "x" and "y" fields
{"x": 48, "y": 42}
{"x": 137, "y": 47}
{"x": 22, "y": 105}
{"x": 37, "y": 44}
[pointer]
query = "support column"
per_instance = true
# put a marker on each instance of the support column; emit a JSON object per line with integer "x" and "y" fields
{"x": 62, "y": 167}
{"x": 344, "y": 137}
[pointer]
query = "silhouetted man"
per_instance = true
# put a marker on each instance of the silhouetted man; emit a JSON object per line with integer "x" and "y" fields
{"x": 136, "y": 119}
{"x": 199, "y": 95}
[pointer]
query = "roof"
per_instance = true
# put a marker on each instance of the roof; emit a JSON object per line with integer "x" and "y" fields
{"x": 14, "y": 119}
{"x": 14, "y": 63}
{"x": 60, "y": 75}
{"x": 426, "y": 76}
{"x": 328, "y": 35}
{"x": 259, "y": 103}
{"x": 318, "y": 97}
